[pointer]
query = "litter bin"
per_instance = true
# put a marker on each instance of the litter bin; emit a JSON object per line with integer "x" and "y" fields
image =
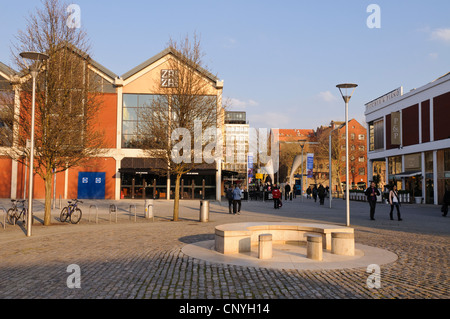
{"x": 148, "y": 208}
{"x": 204, "y": 211}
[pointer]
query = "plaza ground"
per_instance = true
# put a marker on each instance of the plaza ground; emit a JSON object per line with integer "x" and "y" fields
{"x": 144, "y": 259}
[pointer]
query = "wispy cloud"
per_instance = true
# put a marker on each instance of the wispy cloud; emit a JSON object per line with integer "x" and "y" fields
{"x": 236, "y": 103}
{"x": 441, "y": 35}
{"x": 326, "y": 96}
{"x": 229, "y": 43}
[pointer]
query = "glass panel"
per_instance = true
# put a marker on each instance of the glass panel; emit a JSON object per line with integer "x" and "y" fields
{"x": 130, "y": 114}
{"x": 129, "y": 127}
{"x": 146, "y": 100}
{"x": 130, "y": 100}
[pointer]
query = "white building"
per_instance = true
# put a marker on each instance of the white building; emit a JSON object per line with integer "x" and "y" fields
{"x": 409, "y": 139}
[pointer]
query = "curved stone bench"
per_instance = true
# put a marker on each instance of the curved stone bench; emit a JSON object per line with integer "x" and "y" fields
{"x": 239, "y": 237}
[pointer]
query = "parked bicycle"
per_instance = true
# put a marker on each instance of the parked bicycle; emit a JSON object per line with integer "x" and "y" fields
{"x": 14, "y": 214}
{"x": 71, "y": 212}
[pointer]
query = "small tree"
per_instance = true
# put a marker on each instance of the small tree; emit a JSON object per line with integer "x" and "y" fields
{"x": 67, "y": 99}
{"x": 173, "y": 127}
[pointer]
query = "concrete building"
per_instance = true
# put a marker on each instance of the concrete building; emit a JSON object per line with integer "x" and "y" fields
{"x": 409, "y": 139}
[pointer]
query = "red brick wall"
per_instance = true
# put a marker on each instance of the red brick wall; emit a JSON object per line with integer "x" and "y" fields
{"x": 5, "y": 177}
{"x": 441, "y": 116}
{"x": 425, "y": 121}
{"x": 410, "y": 125}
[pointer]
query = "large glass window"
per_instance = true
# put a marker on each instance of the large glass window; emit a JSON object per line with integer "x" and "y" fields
{"x": 133, "y": 104}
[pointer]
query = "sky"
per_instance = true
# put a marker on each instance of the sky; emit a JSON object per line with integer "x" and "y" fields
{"x": 280, "y": 60}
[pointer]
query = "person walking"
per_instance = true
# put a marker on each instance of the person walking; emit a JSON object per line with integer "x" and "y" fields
{"x": 237, "y": 196}
{"x": 321, "y": 193}
{"x": 372, "y": 192}
{"x": 394, "y": 201}
{"x": 314, "y": 193}
{"x": 276, "y": 195}
{"x": 446, "y": 201}
{"x": 287, "y": 190}
{"x": 230, "y": 197}
{"x": 308, "y": 192}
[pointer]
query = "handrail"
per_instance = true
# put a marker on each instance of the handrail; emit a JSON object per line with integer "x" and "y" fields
{"x": 96, "y": 214}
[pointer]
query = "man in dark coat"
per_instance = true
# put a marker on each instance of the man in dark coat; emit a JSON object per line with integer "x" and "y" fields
{"x": 321, "y": 193}
{"x": 372, "y": 192}
{"x": 287, "y": 190}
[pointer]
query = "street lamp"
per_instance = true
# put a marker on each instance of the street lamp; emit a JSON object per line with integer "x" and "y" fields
{"x": 302, "y": 144}
{"x": 36, "y": 59}
{"x": 346, "y": 87}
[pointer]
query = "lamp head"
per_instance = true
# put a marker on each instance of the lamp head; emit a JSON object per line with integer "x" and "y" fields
{"x": 345, "y": 87}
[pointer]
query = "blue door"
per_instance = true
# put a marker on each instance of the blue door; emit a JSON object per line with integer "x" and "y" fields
{"x": 91, "y": 185}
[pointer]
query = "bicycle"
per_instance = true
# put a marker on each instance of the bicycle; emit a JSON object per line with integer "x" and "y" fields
{"x": 13, "y": 213}
{"x": 71, "y": 212}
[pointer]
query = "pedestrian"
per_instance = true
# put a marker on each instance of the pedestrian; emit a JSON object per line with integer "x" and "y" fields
{"x": 321, "y": 193}
{"x": 372, "y": 192}
{"x": 287, "y": 190}
{"x": 276, "y": 195}
{"x": 229, "y": 194}
{"x": 446, "y": 201}
{"x": 308, "y": 192}
{"x": 314, "y": 193}
{"x": 237, "y": 196}
{"x": 394, "y": 201}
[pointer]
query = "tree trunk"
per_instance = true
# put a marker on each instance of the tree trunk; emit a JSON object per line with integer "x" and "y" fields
{"x": 176, "y": 201}
{"x": 48, "y": 198}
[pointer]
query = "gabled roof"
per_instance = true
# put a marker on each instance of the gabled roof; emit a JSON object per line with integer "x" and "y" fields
{"x": 159, "y": 56}
{"x": 6, "y": 70}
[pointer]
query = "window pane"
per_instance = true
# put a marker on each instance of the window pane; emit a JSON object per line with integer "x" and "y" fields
{"x": 129, "y": 114}
{"x": 130, "y": 100}
{"x": 129, "y": 127}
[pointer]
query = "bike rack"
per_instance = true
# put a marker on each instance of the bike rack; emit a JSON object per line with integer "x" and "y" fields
{"x": 4, "y": 217}
{"x": 96, "y": 213}
{"x": 129, "y": 211}
{"x": 112, "y": 209}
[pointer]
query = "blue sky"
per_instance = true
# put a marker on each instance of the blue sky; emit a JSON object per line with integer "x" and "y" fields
{"x": 280, "y": 60}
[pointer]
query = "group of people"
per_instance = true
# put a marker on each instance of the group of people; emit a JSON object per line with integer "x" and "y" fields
{"x": 234, "y": 195}
{"x": 314, "y": 192}
{"x": 372, "y": 192}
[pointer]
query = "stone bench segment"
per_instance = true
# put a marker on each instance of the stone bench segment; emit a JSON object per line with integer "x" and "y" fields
{"x": 343, "y": 243}
{"x": 239, "y": 237}
{"x": 314, "y": 247}
{"x": 265, "y": 246}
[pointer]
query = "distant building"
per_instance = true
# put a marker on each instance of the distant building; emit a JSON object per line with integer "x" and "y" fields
{"x": 236, "y": 137}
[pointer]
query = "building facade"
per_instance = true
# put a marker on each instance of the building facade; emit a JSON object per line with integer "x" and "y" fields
{"x": 123, "y": 170}
{"x": 409, "y": 139}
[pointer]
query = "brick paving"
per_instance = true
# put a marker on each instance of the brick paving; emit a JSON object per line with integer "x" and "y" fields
{"x": 143, "y": 259}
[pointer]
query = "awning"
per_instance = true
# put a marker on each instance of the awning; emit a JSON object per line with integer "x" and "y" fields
{"x": 405, "y": 174}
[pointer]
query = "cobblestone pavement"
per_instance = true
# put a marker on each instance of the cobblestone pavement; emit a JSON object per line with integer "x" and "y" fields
{"x": 143, "y": 259}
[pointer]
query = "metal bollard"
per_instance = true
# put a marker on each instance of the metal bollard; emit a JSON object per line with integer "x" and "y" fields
{"x": 112, "y": 209}
{"x": 129, "y": 211}
{"x": 204, "y": 211}
{"x": 148, "y": 209}
{"x": 4, "y": 217}
{"x": 96, "y": 213}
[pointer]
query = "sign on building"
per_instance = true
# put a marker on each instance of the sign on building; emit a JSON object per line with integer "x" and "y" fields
{"x": 395, "y": 129}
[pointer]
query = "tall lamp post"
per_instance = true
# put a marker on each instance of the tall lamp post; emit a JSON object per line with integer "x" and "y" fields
{"x": 36, "y": 59}
{"x": 302, "y": 145}
{"x": 330, "y": 169}
{"x": 344, "y": 88}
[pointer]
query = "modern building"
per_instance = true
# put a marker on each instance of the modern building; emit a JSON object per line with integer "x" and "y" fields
{"x": 124, "y": 170}
{"x": 236, "y": 148}
{"x": 409, "y": 139}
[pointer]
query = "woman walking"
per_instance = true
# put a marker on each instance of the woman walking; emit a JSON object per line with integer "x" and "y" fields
{"x": 393, "y": 200}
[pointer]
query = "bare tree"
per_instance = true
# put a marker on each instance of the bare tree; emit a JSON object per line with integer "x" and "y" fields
{"x": 174, "y": 126}
{"x": 67, "y": 97}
